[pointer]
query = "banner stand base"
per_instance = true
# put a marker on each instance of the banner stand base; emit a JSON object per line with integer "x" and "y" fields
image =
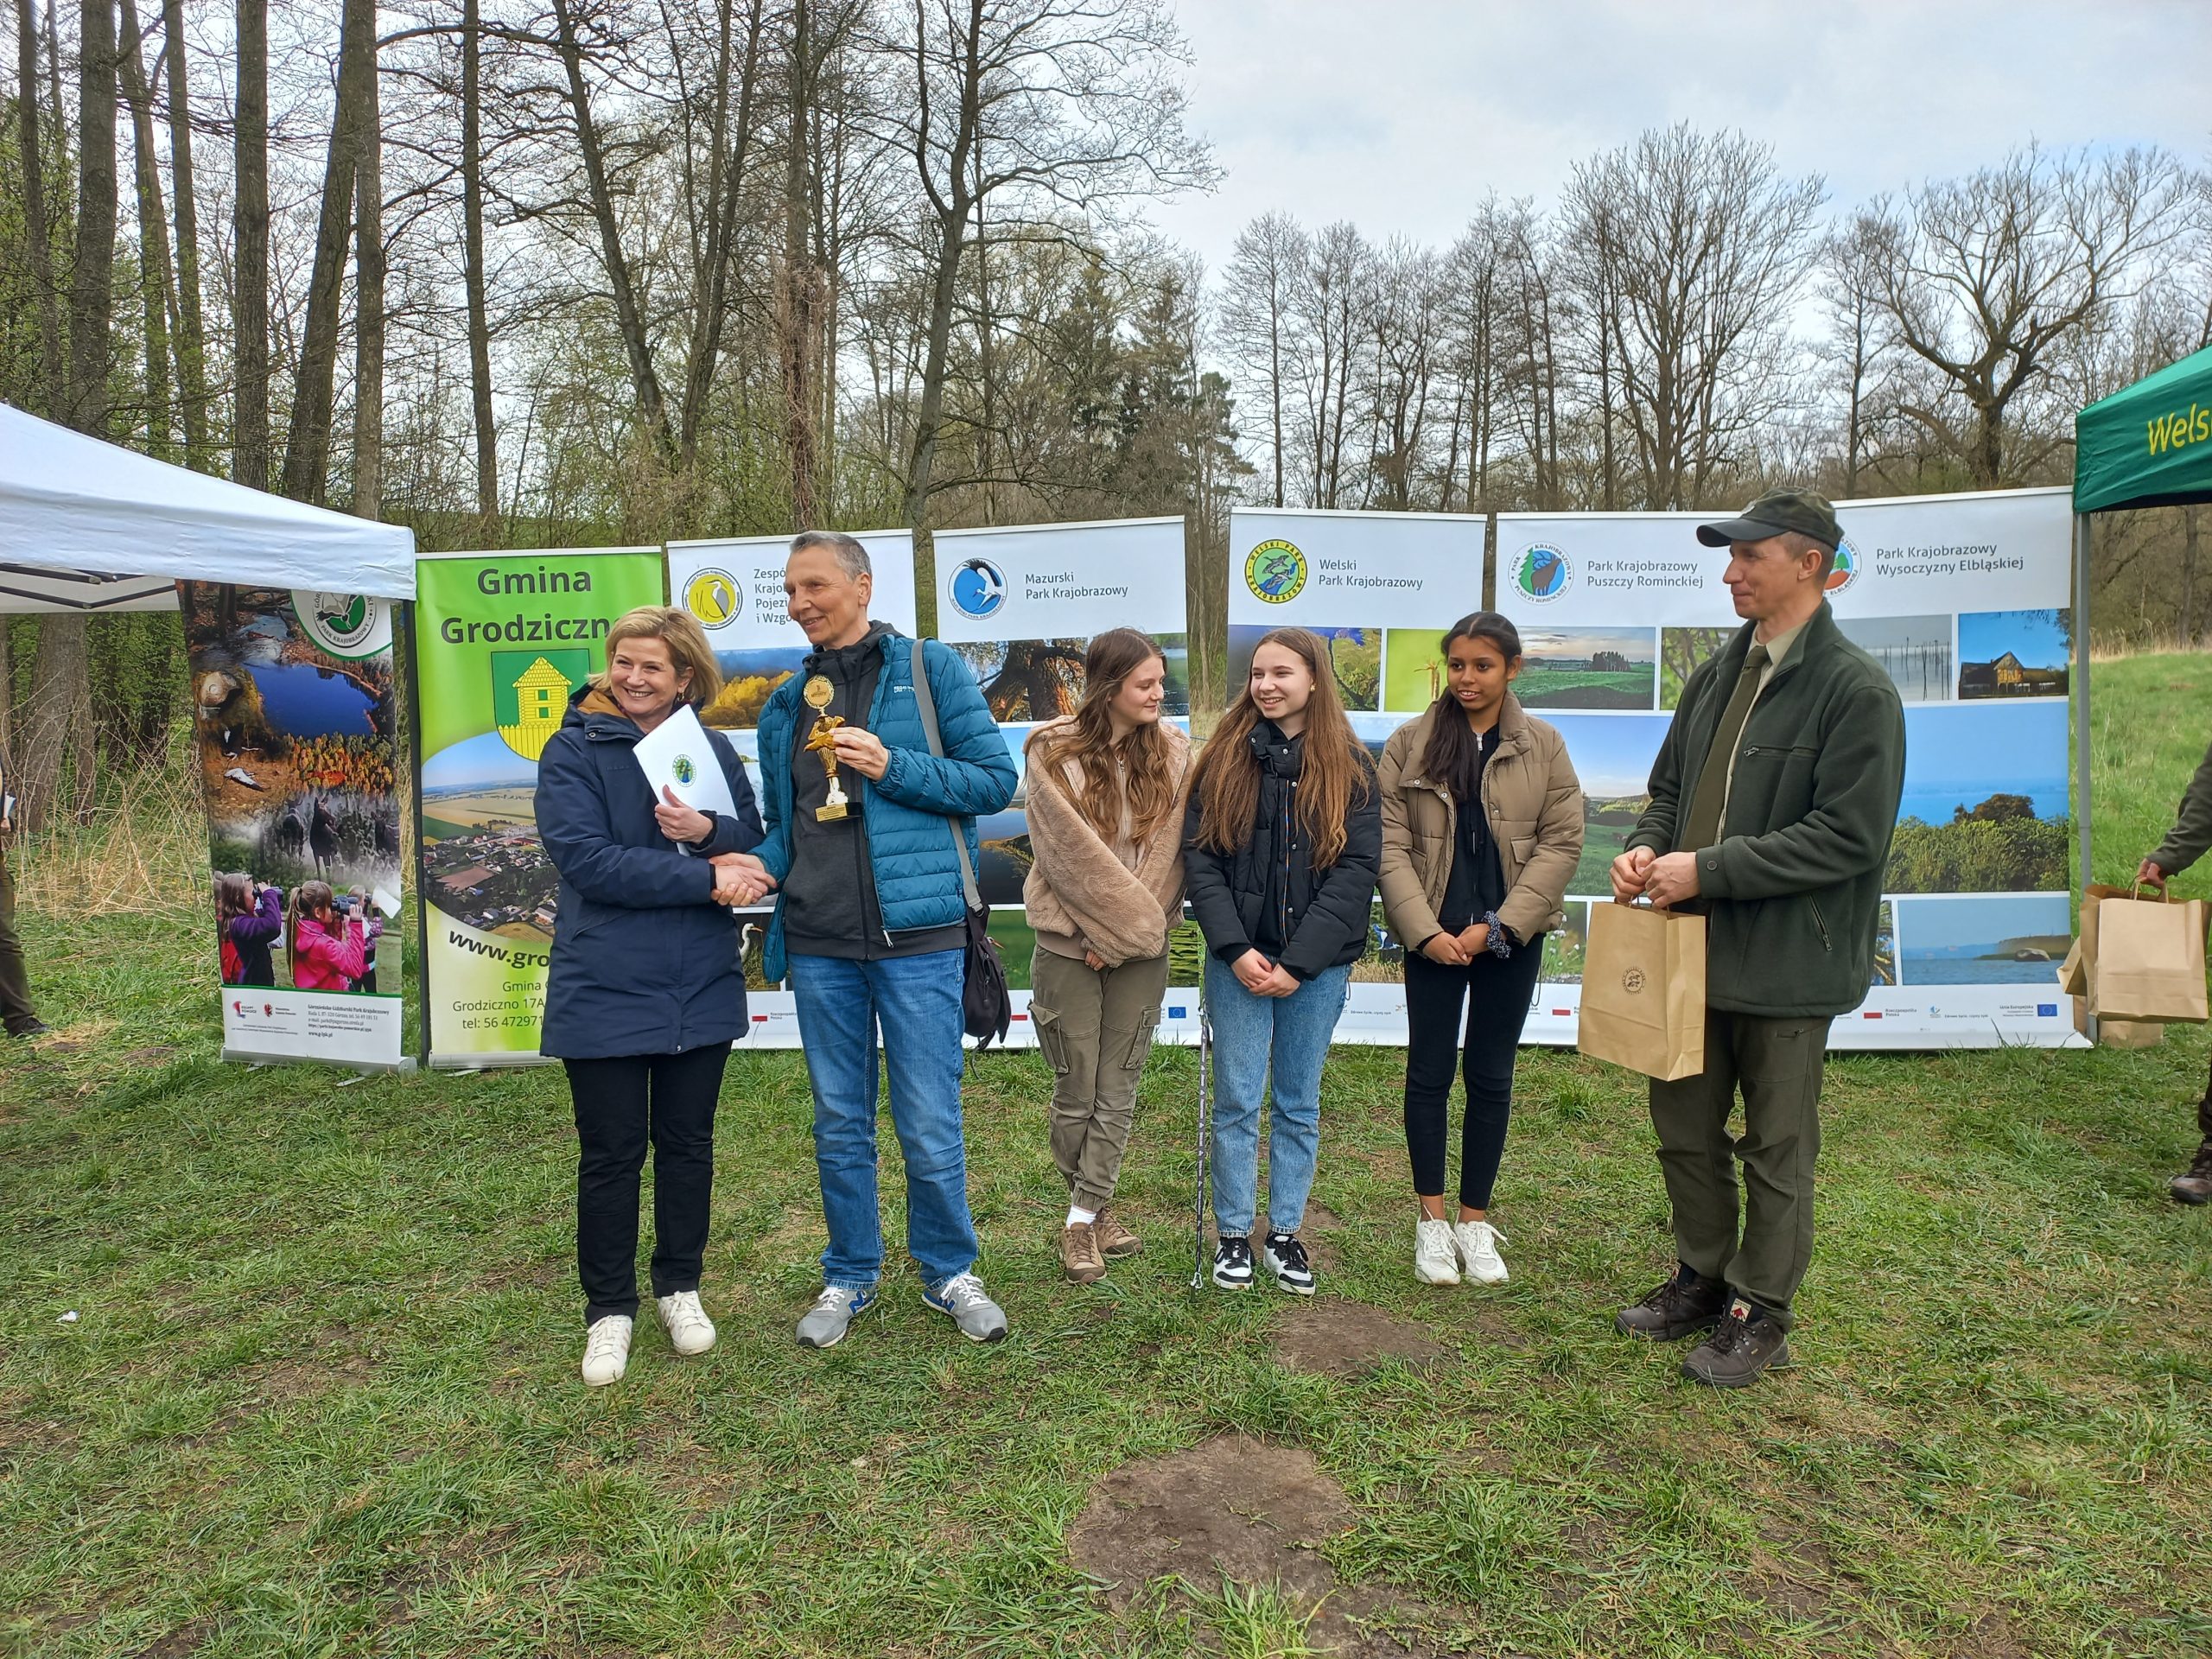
{"x": 486, "y": 1062}
{"x": 403, "y": 1067}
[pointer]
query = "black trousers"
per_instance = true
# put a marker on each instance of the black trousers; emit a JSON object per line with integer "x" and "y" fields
{"x": 1495, "y": 993}
{"x": 621, "y": 1104}
{"x": 15, "y": 1009}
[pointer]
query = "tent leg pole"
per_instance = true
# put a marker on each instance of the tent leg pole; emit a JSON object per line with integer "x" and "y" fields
{"x": 2080, "y": 683}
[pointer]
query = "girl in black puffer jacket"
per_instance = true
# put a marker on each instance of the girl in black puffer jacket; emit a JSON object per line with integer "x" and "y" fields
{"x": 1283, "y": 838}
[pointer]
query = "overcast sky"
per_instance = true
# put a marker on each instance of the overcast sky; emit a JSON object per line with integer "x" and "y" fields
{"x": 1399, "y": 114}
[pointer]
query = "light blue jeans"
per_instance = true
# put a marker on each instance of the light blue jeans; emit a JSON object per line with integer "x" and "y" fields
{"x": 1253, "y": 1036}
{"x": 916, "y": 1002}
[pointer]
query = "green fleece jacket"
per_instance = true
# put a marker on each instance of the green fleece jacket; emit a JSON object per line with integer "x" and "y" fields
{"x": 2192, "y": 832}
{"x": 1794, "y": 886}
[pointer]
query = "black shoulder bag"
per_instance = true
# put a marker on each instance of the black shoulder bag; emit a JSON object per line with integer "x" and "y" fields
{"x": 985, "y": 1006}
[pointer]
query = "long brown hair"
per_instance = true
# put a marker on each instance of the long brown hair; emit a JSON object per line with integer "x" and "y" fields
{"x": 1450, "y": 758}
{"x": 1336, "y": 776}
{"x": 233, "y": 895}
{"x": 307, "y": 899}
{"x": 1141, "y": 780}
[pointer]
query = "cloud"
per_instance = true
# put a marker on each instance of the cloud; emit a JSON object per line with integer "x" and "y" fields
{"x": 1399, "y": 116}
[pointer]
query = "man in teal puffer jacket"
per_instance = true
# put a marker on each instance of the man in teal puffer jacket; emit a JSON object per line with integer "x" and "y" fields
{"x": 870, "y": 924}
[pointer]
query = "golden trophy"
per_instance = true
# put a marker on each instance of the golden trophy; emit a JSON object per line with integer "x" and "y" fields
{"x": 824, "y": 740}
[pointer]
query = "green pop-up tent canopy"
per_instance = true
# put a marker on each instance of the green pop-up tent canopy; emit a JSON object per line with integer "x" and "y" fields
{"x": 2147, "y": 445}
{"x": 2150, "y": 445}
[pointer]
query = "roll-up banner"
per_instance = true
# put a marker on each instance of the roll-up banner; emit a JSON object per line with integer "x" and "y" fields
{"x": 1963, "y": 600}
{"x": 294, "y": 717}
{"x": 1021, "y": 606}
{"x": 1380, "y": 588}
{"x": 501, "y": 642}
{"x": 735, "y": 590}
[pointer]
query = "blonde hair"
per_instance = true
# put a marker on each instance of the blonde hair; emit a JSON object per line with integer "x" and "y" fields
{"x": 687, "y": 645}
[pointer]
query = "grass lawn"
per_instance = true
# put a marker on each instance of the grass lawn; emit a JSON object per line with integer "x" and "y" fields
{"x": 320, "y": 1395}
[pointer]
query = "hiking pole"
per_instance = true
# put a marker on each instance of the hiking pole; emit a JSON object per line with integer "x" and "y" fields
{"x": 1205, "y": 1144}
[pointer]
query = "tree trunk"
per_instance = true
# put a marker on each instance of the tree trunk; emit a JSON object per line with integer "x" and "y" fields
{"x": 2189, "y": 578}
{"x": 91, "y": 297}
{"x": 154, "y": 281}
{"x": 653, "y": 407}
{"x": 368, "y": 294}
{"x": 38, "y": 232}
{"x": 480, "y": 327}
{"x": 250, "y": 220}
{"x": 307, "y": 443}
{"x": 732, "y": 146}
{"x": 191, "y": 329}
{"x": 929, "y": 414}
{"x": 798, "y": 277}
{"x": 59, "y": 676}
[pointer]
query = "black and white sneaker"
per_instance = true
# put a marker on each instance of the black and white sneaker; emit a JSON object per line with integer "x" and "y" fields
{"x": 1232, "y": 1264}
{"x": 1287, "y": 1256}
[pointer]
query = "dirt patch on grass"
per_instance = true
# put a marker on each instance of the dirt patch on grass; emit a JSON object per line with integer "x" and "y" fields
{"x": 1237, "y": 1510}
{"x": 184, "y": 1640}
{"x": 153, "y": 1054}
{"x": 1342, "y": 1338}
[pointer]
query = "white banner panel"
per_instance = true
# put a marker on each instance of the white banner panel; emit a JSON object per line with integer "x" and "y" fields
{"x": 1051, "y": 581}
{"x": 337, "y": 1028}
{"x": 1962, "y": 599}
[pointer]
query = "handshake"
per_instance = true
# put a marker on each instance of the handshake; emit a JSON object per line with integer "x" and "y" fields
{"x": 740, "y": 879}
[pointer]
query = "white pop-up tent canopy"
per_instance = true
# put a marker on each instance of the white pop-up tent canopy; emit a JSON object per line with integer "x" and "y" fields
{"x": 87, "y": 526}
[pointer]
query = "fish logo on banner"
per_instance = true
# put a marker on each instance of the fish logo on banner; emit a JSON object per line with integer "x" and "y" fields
{"x": 1542, "y": 575}
{"x": 1845, "y": 569}
{"x": 978, "y": 588}
{"x": 715, "y": 598}
{"x": 1275, "y": 572}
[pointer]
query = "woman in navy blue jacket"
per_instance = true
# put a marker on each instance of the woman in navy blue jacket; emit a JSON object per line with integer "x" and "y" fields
{"x": 646, "y": 992}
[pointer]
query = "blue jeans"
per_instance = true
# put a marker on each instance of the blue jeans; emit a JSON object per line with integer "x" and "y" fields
{"x": 916, "y": 1002}
{"x": 1251, "y": 1036}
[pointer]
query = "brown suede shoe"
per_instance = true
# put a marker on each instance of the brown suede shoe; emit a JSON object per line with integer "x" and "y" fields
{"x": 1079, "y": 1256}
{"x": 1114, "y": 1239}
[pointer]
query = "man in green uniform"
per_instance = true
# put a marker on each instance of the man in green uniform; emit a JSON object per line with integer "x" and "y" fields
{"x": 2184, "y": 845}
{"x": 1773, "y": 800}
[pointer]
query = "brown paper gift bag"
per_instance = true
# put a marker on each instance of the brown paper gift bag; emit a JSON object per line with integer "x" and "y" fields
{"x": 2074, "y": 972}
{"x": 2147, "y": 960}
{"x": 1643, "y": 990}
{"x": 2118, "y": 1033}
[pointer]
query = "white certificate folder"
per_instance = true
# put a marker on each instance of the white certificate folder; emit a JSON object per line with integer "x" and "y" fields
{"x": 677, "y": 756}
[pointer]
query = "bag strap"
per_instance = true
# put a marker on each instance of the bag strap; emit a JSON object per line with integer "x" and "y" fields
{"x": 927, "y": 700}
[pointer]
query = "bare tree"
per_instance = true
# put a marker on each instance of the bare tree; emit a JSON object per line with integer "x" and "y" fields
{"x": 250, "y": 259}
{"x": 1856, "y": 341}
{"x": 191, "y": 325}
{"x": 1705, "y": 245}
{"x": 1981, "y": 279}
{"x": 1265, "y": 269}
{"x": 38, "y": 230}
{"x": 369, "y": 272}
{"x": 156, "y": 287}
{"x": 1035, "y": 107}
{"x": 306, "y": 442}
{"x": 91, "y": 298}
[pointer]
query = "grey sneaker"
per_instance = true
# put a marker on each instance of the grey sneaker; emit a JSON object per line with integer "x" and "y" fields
{"x": 963, "y": 1299}
{"x": 832, "y": 1315}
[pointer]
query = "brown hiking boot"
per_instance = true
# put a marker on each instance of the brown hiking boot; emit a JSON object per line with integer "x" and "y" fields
{"x": 1684, "y": 1304}
{"x": 1748, "y": 1343}
{"x": 2195, "y": 1187}
{"x": 1079, "y": 1256}
{"x": 1114, "y": 1239}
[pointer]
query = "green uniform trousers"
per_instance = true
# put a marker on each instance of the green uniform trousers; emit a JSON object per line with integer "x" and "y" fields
{"x": 1777, "y": 1064}
{"x": 1095, "y": 1026}
{"x": 15, "y": 1010}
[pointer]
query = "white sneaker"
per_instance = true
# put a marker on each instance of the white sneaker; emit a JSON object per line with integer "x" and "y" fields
{"x": 607, "y": 1349}
{"x": 690, "y": 1330}
{"x": 1434, "y": 1260}
{"x": 1477, "y": 1243}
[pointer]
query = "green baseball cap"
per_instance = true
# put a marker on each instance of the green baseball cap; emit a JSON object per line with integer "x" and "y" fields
{"x": 1774, "y": 512}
